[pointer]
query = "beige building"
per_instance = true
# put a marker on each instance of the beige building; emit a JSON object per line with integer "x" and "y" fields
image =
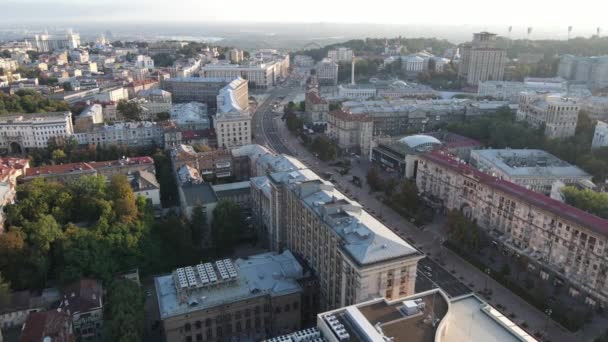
{"x": 559, "y": 242}
{"x": 250, "y": 298}
{"x": 235, "y": 56}
{"x": 355, "y": 256}
{"x": 232, "y": 122}
{"x": 352, "y": 133}
{"x": 558, "y": 114}
{"x": 340, "y": 54}
{"x": 260, "y": 75}
{"x": 481, "y": 60}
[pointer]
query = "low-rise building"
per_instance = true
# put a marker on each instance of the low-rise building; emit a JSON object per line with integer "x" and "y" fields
{"x": 83, "y": 302}
{"x": 352, "y": 133}
{"x": 190, "y": 116}
{"x": 556, "y": 113}
{"x": 53, "y": 325}
{"x": 533, "y": 169}
{"x": 560, "y": 243}
{"x": 511, "y": 90}
{"x": 142, "y": 133}
{"x": 252, "y": 298}
{"x": 144, "y": 184}
{"x": 600, "y": 135}
{"x": 15, "y": 309}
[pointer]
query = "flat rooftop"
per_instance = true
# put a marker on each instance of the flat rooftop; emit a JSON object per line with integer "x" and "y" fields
{"x": 525, "y": 163}
{"x": 259, "y": 275}
{"x": 425, "y": 317}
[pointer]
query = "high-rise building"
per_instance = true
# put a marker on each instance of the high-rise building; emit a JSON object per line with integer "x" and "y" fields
{"x": 327, "y": 72}
{"x": 232, "y": 121}
{"x": 592, "y": 71}
{"x": 235, "y": 56}
{"x": 48, "y": 43}
{"x": 353, "y": 133}
{"x": 341, "y": 54}
{"x": 481, "y": 60}
{"x": 355, "y": 256}
{"x": 558, "y": 114}
{"x": 600, "y": 136}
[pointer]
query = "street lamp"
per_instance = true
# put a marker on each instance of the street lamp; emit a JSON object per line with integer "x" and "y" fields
{"x": 487, "y": 271}
{"x": 548, "y": 312}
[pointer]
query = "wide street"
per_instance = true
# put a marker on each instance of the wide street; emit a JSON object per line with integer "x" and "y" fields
{"x": 456, "y": 276}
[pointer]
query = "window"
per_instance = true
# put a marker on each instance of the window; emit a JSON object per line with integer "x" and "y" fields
{"x": 208, "y": 322}
{"x": 198, "y": 324}
{"x": 187, "y": 327}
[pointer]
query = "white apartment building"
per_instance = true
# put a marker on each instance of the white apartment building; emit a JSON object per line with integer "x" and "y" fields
{"x": 481, "y": 60}
{"x": 19, "y": 132}
{"x": 142, "y": 133}
{"x": 600, "y": 136}
{"x": 327, "y": 72}
{"x": 561, "y": 243}
{"x": 557, "y": 113}
{"x": 596, "y": 107}
{"x": 352, "y": 133}
{"x": 341, "y": 54}
{"x": 355, "y": 256}
{"x": 142, "y": 61}
{"x": 232, "y": 122}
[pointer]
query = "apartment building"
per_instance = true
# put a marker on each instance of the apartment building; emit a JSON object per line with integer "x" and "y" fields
{"x": 536, "y": 170}
{"x": 49, "y": 43}
{"x": 340, "y": 54}
{"x": 20, "y": 132}
{"x": 352, "y": 133}
{"x": 481, "y": 60}
{"x": 560, "y": 243}
{"x": 249, "y": 299}
{"x": 327, "y": 72}
{"x": 600, "y": 135}
{"x": 316, "y": 107}
{"x": 206, "y": 89}
{"x": 142, "y": 133}
{"x": 232, "y": 121}
{"x": 558, "y": 114}
{"x": 591, "y": 71}
{"x": 355, "y": 256}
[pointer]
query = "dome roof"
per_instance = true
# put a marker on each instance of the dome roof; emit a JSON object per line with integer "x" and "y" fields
{"x": 420, "y": 141}
{"x": 399, "y": 84}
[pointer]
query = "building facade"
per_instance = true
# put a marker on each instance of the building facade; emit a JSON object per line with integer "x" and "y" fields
{"x": 510, "y": 90}
{"x": 327, "y": 72}
{"x": 205, "y": 89}
{"x": 559, "y": 242}
{"x": 352, "y": 133}
{"x": 354, "y": 256}
{"x": 600, "y": 135}
{"x": 557, "y": 114}
{"x": 591, "y": 71}
{"x": 340, "y": 54}
{"x": 20, "y": 132}
{"x": 142, "y": 133}
{"x": 250, "y": 299}
{"x": 481, "y": 60}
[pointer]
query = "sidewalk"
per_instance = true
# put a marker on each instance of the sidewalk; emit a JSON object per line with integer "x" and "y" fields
{"x": 429, "y": 242}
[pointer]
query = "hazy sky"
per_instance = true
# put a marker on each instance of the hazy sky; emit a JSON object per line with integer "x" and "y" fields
{"x": 519, "y": 13}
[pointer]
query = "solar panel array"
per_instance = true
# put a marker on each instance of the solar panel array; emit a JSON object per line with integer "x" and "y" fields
{"x": 203, "y": 275}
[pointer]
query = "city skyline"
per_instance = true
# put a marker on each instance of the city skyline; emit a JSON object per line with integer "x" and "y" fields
{"x": 520, "y": 14}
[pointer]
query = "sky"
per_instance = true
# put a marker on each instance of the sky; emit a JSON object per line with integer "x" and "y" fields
{"x": 518, "y": 13}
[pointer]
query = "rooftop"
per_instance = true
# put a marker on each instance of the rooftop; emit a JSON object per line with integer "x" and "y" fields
{"x": 259, "y": 275}
{"x": 59, "y": 169}
{"x": 40, "y": 325}
{"x": 201, "y": 193}
{"x": 526, "y": 163}
{"x": 424, "y": 317}
{"x": 188, "y": 113}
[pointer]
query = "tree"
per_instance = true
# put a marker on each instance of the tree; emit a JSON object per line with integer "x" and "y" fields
{"x": 125, "y": 311}
{"x": 5, "y": 290}
{"x": 58, "y": 156}
{"x": 163, "y": 60}
{"x": 198, "y": 224}
{"x": 324, "y": 148}
{"x": 505, "y": 270}
{"x": 121, "y": 194}
{"x": 6, "y": 54}
{"x": 129, "y": 110}
{"x": 373, "y": 180}
{"x": 228, "y": 223}
{"x": 588, "y": 200}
